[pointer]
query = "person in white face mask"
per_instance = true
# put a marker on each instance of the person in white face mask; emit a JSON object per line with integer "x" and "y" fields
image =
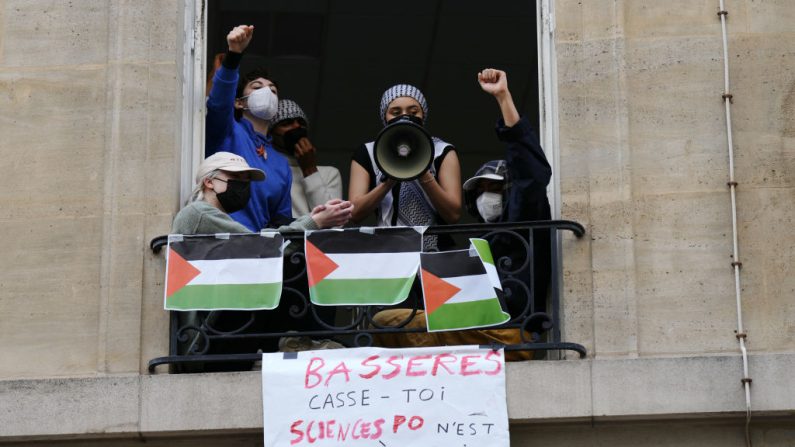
{"x": 513, "y": 189}
{"x": 239, "y": 114}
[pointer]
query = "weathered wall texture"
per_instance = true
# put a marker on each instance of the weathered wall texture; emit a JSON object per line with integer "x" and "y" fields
{"x": 88, "y": 118}
{"x": 677, "y": 434}
{"x": 645, "y": 167}
{"x": 89, "y": 123}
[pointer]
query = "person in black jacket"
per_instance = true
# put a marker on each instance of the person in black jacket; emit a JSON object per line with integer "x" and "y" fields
{"x": 514, "y": 190}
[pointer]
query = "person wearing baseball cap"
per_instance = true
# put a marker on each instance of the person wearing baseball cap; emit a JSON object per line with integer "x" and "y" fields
{"x": 223, "y": 186}
{"x": 432, "y": 199}
{"x": 312, "y": 184}
{"x": 514, "y": 189}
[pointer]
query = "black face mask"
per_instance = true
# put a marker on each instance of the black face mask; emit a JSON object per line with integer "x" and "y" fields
{"x": 236, "y": 195}
{"x": 414, "y": 119}
{"x": 291, "y": 137}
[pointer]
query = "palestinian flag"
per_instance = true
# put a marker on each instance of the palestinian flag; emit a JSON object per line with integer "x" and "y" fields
{"x": 459, "y": 292}
{"x": 241, "y": 272}
{"x": 374, "y": 266}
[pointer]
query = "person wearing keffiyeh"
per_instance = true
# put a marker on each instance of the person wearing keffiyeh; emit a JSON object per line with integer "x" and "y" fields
{"x": 433, "y": 198}
{"x": 312, "y": 184}
{"x": 512, "y": 189}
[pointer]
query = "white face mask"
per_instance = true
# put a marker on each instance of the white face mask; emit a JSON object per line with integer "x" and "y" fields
{"x": 489, "y": 206}
{"x": 262, "y": 103}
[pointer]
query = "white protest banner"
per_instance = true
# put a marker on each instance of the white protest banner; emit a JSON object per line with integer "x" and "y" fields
{"x": 442, "y": 396}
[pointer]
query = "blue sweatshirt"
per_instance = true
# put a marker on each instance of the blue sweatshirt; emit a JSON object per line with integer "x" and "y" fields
{"x": 270, "y": 199}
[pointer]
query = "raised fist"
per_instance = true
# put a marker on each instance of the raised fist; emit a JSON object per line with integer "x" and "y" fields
{"x": 493, "y": 81}
{"x": 239, "y": 38}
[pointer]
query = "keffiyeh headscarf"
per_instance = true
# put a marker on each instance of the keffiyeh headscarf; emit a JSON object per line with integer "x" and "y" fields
{"x": 288, "y": 110}
{"x": 399, "y": 91}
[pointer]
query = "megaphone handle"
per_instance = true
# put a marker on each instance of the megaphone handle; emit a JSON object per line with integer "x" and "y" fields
{"x": 384, "y": 178}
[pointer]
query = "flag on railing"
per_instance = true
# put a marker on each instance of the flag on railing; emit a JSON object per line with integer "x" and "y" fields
{"x": 238, "y": 272}
{"x": 460, "y": 289}
{"x": 374, "y": 266}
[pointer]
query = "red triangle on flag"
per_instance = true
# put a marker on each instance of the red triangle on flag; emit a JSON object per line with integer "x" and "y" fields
{"x": 318, "y": 265}
{"x": 180, "y": 272}
{"x": 436, "y": 290}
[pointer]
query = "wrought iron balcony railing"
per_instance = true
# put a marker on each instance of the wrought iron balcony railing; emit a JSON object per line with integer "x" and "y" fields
{"x": 528, "y": 266}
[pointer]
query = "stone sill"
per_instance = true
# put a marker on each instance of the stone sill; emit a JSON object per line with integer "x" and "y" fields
{"x": 538, "y": 392}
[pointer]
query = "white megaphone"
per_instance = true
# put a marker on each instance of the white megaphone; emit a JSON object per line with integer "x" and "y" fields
{"x": 403, "y": 150}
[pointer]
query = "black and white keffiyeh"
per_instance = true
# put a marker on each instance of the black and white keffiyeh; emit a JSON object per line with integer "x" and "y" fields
{"x": 399, "y": 91}
{"x": 288, "y": 110}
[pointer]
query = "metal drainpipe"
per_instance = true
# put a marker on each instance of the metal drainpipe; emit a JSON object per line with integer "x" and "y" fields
{"x": 736, "y": 264}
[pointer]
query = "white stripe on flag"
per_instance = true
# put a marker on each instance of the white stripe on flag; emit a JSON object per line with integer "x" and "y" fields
{"x": 491, "y": 270}
{"x": 238, "y": 271}
{"x": 473, "y": 288}
{"x": 374, "y": 265}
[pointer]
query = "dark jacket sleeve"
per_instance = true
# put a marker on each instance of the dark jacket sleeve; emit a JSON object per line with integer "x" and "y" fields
{"x": 528, "y": 171}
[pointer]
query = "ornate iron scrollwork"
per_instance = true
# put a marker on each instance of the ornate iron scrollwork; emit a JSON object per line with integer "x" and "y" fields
{"x": 192, "y": 338}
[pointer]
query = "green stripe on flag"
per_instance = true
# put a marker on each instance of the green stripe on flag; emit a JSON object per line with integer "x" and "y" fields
{"x": 382, "y": 291}
{"x": 482, "y": 246}
{"x": 466, "y": 315}
{"x": 226, "y": 296}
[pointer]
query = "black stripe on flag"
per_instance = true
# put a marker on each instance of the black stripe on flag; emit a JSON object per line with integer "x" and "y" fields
{"x": 449, "y": 264}
{"x": 384, "y": 240}
{"x": 247, "y": 246}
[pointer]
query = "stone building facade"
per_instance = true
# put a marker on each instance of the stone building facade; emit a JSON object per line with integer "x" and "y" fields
{"x": 90, "y": 118}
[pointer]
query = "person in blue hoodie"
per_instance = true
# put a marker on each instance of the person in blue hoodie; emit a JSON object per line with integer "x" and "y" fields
{"x": 239, "y": 111}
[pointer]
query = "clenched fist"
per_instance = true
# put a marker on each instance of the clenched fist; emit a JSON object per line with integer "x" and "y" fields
{"x": 239, "y": 38}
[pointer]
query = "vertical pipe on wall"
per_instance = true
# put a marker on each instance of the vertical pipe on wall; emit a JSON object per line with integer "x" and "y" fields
{"x": 736, "y": 264}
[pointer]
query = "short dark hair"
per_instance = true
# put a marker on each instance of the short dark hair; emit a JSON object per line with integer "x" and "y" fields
{"x": 243, "y": 81}
{"x": 250, "y": 76}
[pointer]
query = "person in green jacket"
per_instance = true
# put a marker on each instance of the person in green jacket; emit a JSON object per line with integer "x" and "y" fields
{"x": 223, "y": 186}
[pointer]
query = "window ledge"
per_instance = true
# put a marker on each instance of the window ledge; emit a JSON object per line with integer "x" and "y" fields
{"x": 541, "y": 391}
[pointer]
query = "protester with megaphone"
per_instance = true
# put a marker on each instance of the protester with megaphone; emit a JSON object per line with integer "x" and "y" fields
{"x": 509, "y": 190}
{"x": 406, "y": 176}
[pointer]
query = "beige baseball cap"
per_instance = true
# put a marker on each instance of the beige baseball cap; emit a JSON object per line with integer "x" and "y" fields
{"x": 227, "y": 161}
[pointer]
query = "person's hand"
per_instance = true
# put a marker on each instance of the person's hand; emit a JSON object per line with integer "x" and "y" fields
{"x": 426, "y": 178}
{"x": 388, "y": 181}
{"x": 239, "y": 38}
{"x": 333, "y": 213}
{"x": 306, "y": 155}
{"x": 493, "y": 82}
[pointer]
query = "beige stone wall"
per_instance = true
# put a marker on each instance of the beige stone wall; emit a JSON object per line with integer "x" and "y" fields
{"x": 645, "y": 166}
{"x": 90, "y": 121}
{"x": 89, "y": 125}
{"x": 89, "y": 128}
{"x": 669, "y": 434}
{"x": 663, "y": 434}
